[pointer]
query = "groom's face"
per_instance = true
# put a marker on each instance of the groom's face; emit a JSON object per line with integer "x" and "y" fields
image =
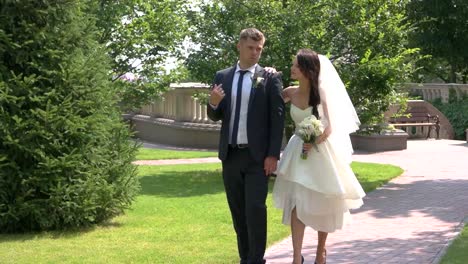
{"x": 250, "y": 50}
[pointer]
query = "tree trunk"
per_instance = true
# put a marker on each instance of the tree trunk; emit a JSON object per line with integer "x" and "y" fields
{"x": 453, "y": 75}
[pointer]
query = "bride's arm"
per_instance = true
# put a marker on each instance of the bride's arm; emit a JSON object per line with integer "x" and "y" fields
{"x": 287, "y": 93}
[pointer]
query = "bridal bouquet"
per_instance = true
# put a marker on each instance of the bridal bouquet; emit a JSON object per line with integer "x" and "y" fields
{"x": 309, "y": 130}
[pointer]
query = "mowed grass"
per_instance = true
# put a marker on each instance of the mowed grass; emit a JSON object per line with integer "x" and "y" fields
{"x": 457, "y": 253}
{"x": 372, "y": 175}
{"x": 181, "y": 216}
{"x": 159, "y": 154}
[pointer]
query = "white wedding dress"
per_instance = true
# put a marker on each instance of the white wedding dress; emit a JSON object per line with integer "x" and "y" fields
{"x": 322, "y": 188}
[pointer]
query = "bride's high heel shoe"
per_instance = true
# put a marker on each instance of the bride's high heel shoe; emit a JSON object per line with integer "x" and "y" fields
{"x": 302, "y": 259}
{"x": 324, "y": 257}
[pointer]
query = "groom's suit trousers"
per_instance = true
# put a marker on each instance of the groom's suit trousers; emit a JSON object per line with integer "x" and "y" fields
{"x": 246, "y": 189}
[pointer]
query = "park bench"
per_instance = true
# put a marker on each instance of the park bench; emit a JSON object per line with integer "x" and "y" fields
{"x": 417, "y": 117}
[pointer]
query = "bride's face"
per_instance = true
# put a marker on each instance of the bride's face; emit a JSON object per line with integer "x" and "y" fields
{"x": 296, "y": 73}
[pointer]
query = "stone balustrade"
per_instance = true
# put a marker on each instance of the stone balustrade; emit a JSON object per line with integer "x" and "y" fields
{"x": 432, "y": 91}
{"x": 178, "y": 119}
{"x": 178, "y": 104}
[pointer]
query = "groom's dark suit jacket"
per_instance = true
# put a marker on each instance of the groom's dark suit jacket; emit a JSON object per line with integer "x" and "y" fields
{"x": 265, "y": 118}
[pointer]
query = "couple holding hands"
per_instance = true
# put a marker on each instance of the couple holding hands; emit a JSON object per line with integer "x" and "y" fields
{"x": 316, "y": 190}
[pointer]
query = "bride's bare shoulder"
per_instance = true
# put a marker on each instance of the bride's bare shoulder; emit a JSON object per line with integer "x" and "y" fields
{"x": 287, "y": 93}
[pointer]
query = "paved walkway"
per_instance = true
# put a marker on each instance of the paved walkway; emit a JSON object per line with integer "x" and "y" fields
{"x": 412, "y": 219}
{"x": 409, "y": 220}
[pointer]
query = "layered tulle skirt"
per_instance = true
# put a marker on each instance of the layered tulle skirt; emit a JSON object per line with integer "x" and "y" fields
{"x": 322, "y": 188}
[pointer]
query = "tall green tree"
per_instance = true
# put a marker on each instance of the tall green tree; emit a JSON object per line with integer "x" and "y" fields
{"x": 65, "y": 156}
{"x": 141, "y": 35}
{"x": 287, "y": 25}
{"x": 441, "y": 32}
{"x": 370, "y": 41}
{"x": 366, "y": 39}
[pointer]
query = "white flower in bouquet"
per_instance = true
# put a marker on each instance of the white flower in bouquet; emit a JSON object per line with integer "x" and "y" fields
{"x": 309, "y": 130}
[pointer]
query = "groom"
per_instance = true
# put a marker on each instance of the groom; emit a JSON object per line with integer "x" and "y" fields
{"x": 249, "y": 103}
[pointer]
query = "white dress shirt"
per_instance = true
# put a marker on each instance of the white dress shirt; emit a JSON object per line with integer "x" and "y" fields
{"x": 244, "y": 107}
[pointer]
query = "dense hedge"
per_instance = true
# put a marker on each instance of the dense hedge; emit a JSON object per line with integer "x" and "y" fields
{"x": 65, "y": 157}
{"x": 456, "y": 111}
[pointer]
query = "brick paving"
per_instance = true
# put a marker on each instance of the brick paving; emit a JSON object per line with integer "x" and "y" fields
{"x": 412, "y": 219}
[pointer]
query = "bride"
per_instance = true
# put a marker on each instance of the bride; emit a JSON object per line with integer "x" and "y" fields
{"x": 317, "y": 191}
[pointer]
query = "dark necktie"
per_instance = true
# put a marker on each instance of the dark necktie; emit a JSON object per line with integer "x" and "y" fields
{"x": 235, "y": 126}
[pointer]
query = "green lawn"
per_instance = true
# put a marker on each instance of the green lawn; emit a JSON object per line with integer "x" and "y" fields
{"x": 181, "y": 216}
{"x": 156, "y": 154}
{"x": 457, "y": 253}
{"x": 372, "y": 175}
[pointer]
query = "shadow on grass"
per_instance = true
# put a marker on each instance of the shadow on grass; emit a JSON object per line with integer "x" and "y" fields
{"x": 185, "y": 183}
{"x": 56, "y": 234}
{"x": 182, "y": 183}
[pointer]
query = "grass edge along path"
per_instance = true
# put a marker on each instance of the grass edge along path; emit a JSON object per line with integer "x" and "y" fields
{"x": 457, "y": 252}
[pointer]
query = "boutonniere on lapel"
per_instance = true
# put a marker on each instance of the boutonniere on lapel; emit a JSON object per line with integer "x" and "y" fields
{"x": 256, "y": 80}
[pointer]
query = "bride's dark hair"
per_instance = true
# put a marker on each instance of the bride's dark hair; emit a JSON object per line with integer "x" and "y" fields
{"x": 309, "y": 64}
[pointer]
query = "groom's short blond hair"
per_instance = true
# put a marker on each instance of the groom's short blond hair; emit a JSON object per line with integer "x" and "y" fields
{"x": 252, "y": 33}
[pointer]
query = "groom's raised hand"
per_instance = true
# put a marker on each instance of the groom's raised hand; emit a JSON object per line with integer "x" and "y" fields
{"x": 216, "y": 95}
